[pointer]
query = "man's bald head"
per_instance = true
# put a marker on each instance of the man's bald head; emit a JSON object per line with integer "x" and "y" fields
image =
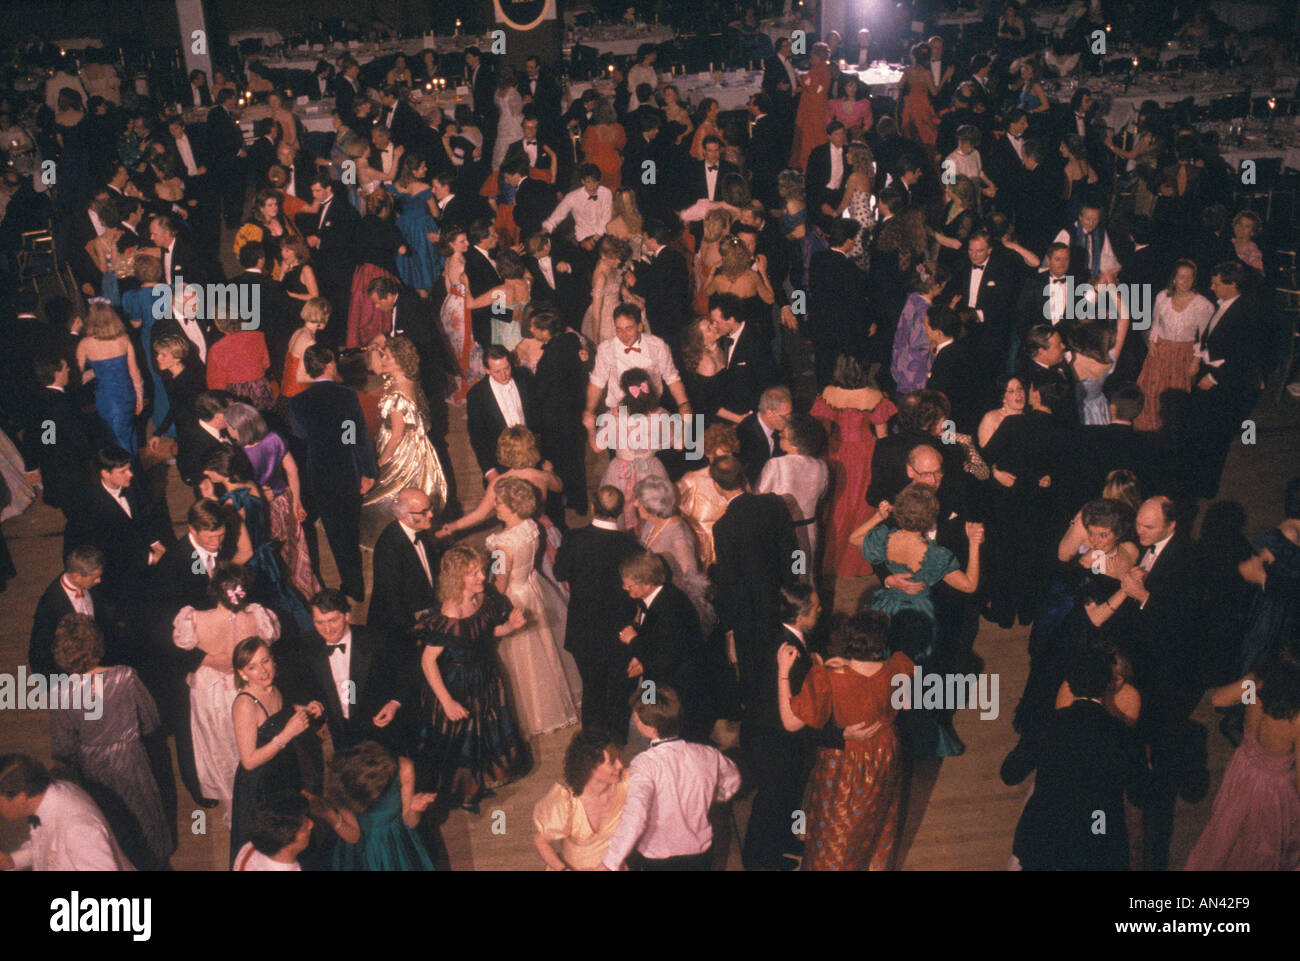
{"x": 925, "y": 464}
{"x": 1155, "y": 520}
{"x": 413, "y": 509}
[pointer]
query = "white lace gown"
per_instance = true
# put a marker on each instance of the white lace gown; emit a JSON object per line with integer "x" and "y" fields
{"x": 544, "y": 684}
{"x": 212, "y": 697}
{"x": 510, "y": 123}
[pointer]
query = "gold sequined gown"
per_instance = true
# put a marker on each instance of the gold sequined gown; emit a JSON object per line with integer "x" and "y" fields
{"x": 414, "y": 463}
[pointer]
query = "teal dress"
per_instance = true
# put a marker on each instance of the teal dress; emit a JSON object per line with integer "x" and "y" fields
{"x": 387, "y": 842}
{"x": 421, "y": 267}
{"x": 914, "y": 631}
{"x": 272, "y": 584}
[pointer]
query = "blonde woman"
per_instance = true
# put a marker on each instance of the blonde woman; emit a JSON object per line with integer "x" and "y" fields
{"x": 737, "y": 273}
{"x": 699, "y": 499}
{"x": 105, "y": 355}
{"x": 606, "y": 288}
{"x": 315, "y": 318}
{"x": 716, "y": 224}
{"x": 626, "y": 222}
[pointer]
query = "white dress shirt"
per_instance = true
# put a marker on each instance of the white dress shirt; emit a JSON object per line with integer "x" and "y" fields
{"x": 72, "y": 835}
{"x": 1056, "y": 296}
{"x": 1017, "y": 144}
{"x": 735, "y": 339}
{"x": 167, "y": 262}
{"x": 320, "y": 222}
{"x": 186, "y": 150}
{"x": 1152, "y": 553}
{"x": 509, "y": 401}
{"x": 530, "y": 149}
{"x": 80, "y": 600}
{"x": 120, "y": 497}
{"x": 545, "y": 265}
{"x": 420, "y": 552}
{"x": 197, "y": 93}
{"x": 341, "y": 672}
{"x": 671, "y": 787}
{"x": 976, "y": 278}
{"x": 789, "y": 72}
{"x": 251, "y": 859}
{"x": 650, "y": 353}
{"x": 837, "y": 168}
{"x": 209, "y": 558}
{"x": 590, "y": 217}
{"x": 936, "y": 71}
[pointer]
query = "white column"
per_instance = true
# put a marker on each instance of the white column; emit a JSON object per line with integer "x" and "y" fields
{"x": 189, "y": 13}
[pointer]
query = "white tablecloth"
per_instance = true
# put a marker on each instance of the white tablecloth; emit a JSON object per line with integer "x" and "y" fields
{"x": 620, "y": 41}
{"x": 79, "y": 43}
{"x": 305, "y": 58}
{"x": 268, "y": 36}
{"x": 1202, "y": 88}
{"x": 1245, "y": 16}
{"x": 782, "y": 28}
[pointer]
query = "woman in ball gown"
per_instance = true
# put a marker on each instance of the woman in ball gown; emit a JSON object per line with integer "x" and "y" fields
{"x": 1095, "y": 553}
{"x": 297, "y": 276}
{"x": 583, "y": 812}
{"x": 455, "y": 315}
{"x": 603, "y": 142}
{"x": 913, "y": 631}
{"x": 216, "y": 631}
{"x": 544, "y": 683}
{"x": 315, "y": 318}
{"x": 421, "y": 266}
{"x": 1255, "y": 824}
{"x": 266, "y": 726}
{"x": 106, "y": 356}
{"x": 1180, "y": 318}
{"x": 810, "y": 122}
{"x": 471, "y": 741}
{"x": 855, "y": 811}
{"x": 800, "y": 478}
{"x": 858, "y": 199}
{"x": 405, "y": 456}
{"x": 510, "y": 115}
{"x": 268, "y": 226}
{"x": 912, "y": 357}
{"x": 664, "y": 531}
{"x": 636, "y": 458}
{"x": 1092, "y": 365}
{"x": 854, "y": 414}
{"x": 105, "y": 746}
{"x": 1273, "y": 612}
{"x": 705, "y": 370}
{"x": 700, "y": 500}
{"x": 377, "y": 243}
{"x": 374, "y": 809}
{"x": 606, "y": 289}
{"x": 919, "y": 121}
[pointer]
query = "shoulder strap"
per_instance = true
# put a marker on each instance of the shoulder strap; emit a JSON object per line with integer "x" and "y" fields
{"x": 255, "y": 701}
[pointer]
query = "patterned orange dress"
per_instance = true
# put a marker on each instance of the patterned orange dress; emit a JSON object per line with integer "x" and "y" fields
{"x": 810, "y": 123}
{"x": 853, "y": 816}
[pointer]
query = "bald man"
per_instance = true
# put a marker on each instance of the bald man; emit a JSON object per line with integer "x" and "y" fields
{"x": 406, "y": 569}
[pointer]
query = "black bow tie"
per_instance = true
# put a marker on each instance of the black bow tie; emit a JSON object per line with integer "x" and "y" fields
{"x": 593, "y": 197}
{"x": 714, "y": 167}
{"x": 975, "y": 267}
{"x": 1058, "y": 280}
{"x": 530, "y": 143}
{"x": 33, "y": 820}
{"x": 339, "y": 648}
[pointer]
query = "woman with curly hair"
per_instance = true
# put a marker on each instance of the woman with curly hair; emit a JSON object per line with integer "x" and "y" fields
{"x": 268, "y": 226}
{"x": 606, "y": 288}
{"x": 700, "y": 500}
{"x": 717, "y": 223}
{"x": 582, "y": 812}
{"x": 634, "y": 447}
{"x": 405, "y": 456}
{"x": 105, "y": 355}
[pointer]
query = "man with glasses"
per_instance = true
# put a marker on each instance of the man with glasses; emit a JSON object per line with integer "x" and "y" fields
{"x": 405, "y": 570}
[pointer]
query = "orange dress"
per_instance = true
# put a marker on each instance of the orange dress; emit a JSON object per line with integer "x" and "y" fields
{"x": 289, "y": 385}
{"x": 810, "y": 122}
{"x": 602, "y": 144}
{"x": 919, "y": 121}
{"x": 853, "y": 816}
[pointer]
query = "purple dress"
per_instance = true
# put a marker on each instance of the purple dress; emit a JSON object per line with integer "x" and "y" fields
{"x": 1255, "y": 824}
{"x": 911, "y": 361}
{"x": 267, "y": 457}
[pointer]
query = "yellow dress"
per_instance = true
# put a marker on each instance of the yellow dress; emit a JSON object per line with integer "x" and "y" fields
{"x": 560, "y": 816}
{"x": 415, "y": 463}
{"x": 701, "y": 504}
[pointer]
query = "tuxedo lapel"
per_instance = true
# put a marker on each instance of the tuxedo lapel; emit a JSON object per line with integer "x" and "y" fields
{"x": 320, "y": 667}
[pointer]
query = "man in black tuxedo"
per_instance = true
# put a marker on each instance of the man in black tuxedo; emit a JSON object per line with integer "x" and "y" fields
{"x": 552, "y": 278}
{"x": 340, "y": 465}
{"x": 405, "y": 570}
{"x": 837, "y": 302}
{"x": 1107, "y": 447}
{"x": 760, "y": 431}
{"x": 414, "y": 318}
{"x": 180, "y": 262}
{"x": 703, "y": 180}
{"x": 1037, "y": 197}
{"x": 1226, "y": 385}
{"x": 347, "y": 89}
{"x": 537, "y": 152}
{"x": 827, "y": 171}
{"x": 664, "y": 281}
{"x": 75, "y": 591}
{"x": 664, "y": 640}
{"x": 504, "y": 398}
{"x": 328, "y": 233}
{"x": 747, "y": 346}
{"x": 262, "y": 151}
{"x": 588, "y": 561}
{"x": 1086, "y": 762}
{"x": 200, "y": 95}
{"x": 62, "y": 439}
{"x": 648, "y": 146}
{"x": 362, "y": 680}
{"x": 781, "y": 83}
{"x": 205, "y": 212}
{"x": 114, "y": 516}
{"x": 321, "y": 85}
{"x": 181, "y": 579}
{"x": 541, "y": 96}
{"x": 920, "y": 420}
{"x": 483, "y": 87}
{"x": 200, "y": 435}
{"x": 755, "y": 545}
{"x": 1049, "y": 295}
{"x": 1005, "y": 164}
{"x": 986, "y": 283}
{"x": 1044, "y": 356}
{"x": 954, "y": 371}
{"x": 276, "y": 319}
{"x": 481, "y": 276}
{"x": 457, "y": 208}
{"x": 561, "y": 395}
{"x": 534, "y": 200}
{"x": 226, "y": 149}
{"x": 400, "y": 118}
{"x": 767, "y": 150}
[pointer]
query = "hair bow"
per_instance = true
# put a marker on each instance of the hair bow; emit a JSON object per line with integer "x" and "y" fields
{"x": 100, "y": 300}
{"x": 636, "y": 390}
{"x": 235, "y": 594}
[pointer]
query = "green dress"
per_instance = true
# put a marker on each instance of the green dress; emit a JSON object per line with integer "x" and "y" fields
{"x": 387, "y": 843}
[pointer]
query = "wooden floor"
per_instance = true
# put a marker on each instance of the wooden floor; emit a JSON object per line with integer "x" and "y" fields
{"x": 960, "y": 815}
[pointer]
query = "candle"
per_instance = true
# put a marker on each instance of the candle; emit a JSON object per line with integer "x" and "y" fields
{"x": 1272, "y": 103}
{"x": 710, "y": 66}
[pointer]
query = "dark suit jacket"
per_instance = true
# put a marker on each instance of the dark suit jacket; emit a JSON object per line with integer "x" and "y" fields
{"x": 486, "y": 422}
{"x": 335, "y": 231}
{"x": 277, "y": 319}
{"x": 774, "y": 75}
{"x": 955, "y": 373}
{"x": 534, "y": 202}
{"x": 401, "y": 589}
{"x": 1161, "y": 645}
{"x": 637, "y": 151}
{"x": 193, "y": 445}
{"x": 50, "y": 609}
{"x": 64, "y": 462}
{"x": 818, "y": 173}
{"x": 319, "y": 416}
{"x": 755, "y": 544}
{"x": 345, "y": 98}
{"x": 889, "y": 463}
{"x": 1234, "y": 343}
{"x": 516, "y": 150}
{"x": 1108, "y": 447}
{"x": 998, "y": 292}
{"x": 173, "y": 585}
{"x": 462, "y": 210}
{"x": 665, "y": 283}
{"x": 755, "y": 451}
{"x": 379, "y": 676}
{"x": 766, "y": 158}
{"x": 1066, "y": 412}
{"x": 546, "y": 96}
{"x": 413, "y": 317}
{"x": 1033, "y": 306}
{"x": 837, "y": 304}
{"x": 1005, "y": 168}
{"x": 1086, "y": 762}
{"x": 101, "y": 522}
{"x": 588, "y": 561}
{"x": 407, "y": 127}
{"x": 261, "y": 157}
{"x": 225, "y": 140}
{"x": 480, "y": 277}
{"x": 750, "y": 370}
{"x": 696, "y": 184}
{"x": 668, "y": 644}
{"x": 560, "y": 388}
